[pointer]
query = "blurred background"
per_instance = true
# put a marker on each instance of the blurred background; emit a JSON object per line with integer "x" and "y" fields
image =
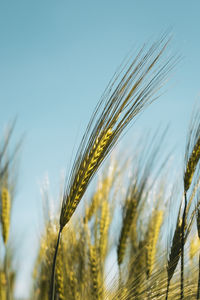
{"x": 56, "y": 58}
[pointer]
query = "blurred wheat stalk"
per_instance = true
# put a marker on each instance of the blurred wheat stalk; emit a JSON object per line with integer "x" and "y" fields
{"x": 83, "y": 269}
{"x": 115, "y": 248}
{"x": 8, "y": 180}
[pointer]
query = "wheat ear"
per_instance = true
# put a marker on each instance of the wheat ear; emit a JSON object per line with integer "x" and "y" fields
{"x": 153, "y": 234}
{"x": 136, "y": 190}
{"x": 83, "y": 176}
{"x": 131, "y": 207}
{"x": 3, "y": 286}
{"x": 94, "y": 269}
{"x": 104, "y": 228}
{"x": 60, "y": 278}
{"x": 5, "y": 213}
{"x": 194, "y": 247}
{"x": 119, "y": 105}
{"x": 124, "y": 98}
{"x": 175, "y": 252}
{"x": 91, "y": 209}
{"x": 192, "y": 157}
{"x": 192, "y": 164}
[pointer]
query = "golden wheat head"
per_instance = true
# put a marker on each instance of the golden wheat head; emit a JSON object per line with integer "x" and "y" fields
{"x": 129, "y": 93}
{"x": 192, "y": 155}
{"x": 5, "y": 213}
{"x": 153, "y": 234}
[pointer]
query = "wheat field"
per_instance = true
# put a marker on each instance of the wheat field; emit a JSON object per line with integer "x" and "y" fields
{"x": 113, "y": 235}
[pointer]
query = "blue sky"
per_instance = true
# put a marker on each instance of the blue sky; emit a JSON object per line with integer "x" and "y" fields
{"x": 56, "y": 58}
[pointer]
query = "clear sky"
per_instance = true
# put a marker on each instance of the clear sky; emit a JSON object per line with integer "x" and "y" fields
{"x": 56, "y": 58}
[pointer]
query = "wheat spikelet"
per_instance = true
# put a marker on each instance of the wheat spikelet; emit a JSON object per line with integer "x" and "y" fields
{"x": 60, "y": 279}
{"x": 3, "y": 286}
{"x": 133, "y": 198}
{"x": 102, "y": 192}
{"x": 131, "y": 210}
{"x": 176, "y": 246}
{"x": 5, "y": 213}
{"x": 90, "y": 211}
{"x": 138, "y": 190}
{"x": 192, "y": 153}
{"x": 192, "y": 195}
{"x": 104, "y": 227}
{"x": 94, "y": 269}
{"x": 83, "y": 176}
{"x": 73, "y": 285}
{"x": 198, "y": 221}
{"x": 191, "y": 165}
{"x": 153, "y": 234}
{"x": 175, "y": 250}
{"x": 43, "y": 262}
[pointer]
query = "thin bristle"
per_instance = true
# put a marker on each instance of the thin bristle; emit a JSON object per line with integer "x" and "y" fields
{"x": 123, "y": 101}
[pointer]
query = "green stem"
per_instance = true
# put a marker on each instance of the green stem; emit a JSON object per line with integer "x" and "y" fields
{"x": 52, "y": 285}
{"x": 198, "y": 289}
{"x": 182, "y": 246}
{"x": 7, "y": 276}
{"x": 167, "y": 292}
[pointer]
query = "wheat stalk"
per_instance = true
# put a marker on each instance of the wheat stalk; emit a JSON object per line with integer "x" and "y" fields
{"x": 198, "y": 232}
{"x": 120, "y": 103}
